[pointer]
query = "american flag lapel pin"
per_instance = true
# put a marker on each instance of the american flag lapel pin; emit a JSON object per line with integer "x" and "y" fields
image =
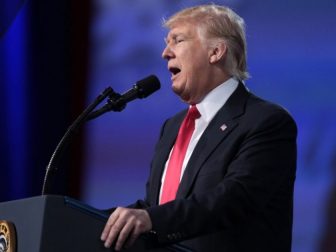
{"x": 223, "y": 127}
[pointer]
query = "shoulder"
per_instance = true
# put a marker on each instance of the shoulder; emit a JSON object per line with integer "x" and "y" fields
{"x": 259, "y": 111}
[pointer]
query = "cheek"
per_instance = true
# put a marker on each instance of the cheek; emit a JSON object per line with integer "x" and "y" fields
{"x": 198, "y": 58}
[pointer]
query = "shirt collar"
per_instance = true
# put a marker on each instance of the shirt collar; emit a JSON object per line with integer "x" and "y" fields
{"x": 217, "y": 97}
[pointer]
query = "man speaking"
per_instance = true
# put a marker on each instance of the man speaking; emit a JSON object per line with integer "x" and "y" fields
{"x": 223, "y": 171}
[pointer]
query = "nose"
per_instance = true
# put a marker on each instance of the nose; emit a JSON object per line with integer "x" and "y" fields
{"x": 167, "y": 53}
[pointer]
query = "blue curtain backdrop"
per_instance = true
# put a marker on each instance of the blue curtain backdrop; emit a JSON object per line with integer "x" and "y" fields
{"x": 49, "y": 50}
{"x": 12, "y": 135}
{"x": 43, "y": 49}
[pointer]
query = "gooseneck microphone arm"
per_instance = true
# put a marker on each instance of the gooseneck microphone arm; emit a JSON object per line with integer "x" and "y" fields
{"x": 54, "y": 160}
{"x": 115, "y": 102}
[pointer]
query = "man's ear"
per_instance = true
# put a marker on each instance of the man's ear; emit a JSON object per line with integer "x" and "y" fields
{"x": 217, "y": 52}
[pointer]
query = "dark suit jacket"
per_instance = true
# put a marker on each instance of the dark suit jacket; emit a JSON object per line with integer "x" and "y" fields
{"x": 236, "y": 194}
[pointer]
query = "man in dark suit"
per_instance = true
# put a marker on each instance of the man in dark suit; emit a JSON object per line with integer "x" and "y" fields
{"x": 223, "y": 173}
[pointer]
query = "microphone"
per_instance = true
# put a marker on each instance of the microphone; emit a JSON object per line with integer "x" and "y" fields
{"x": 116, "y": 102}
{"x": 142, "y": 89}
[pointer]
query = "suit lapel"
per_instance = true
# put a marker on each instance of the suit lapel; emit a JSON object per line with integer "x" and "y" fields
{"x": 223, "y": 123}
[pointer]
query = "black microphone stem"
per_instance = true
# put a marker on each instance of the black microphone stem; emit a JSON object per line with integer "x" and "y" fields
{"x": 54, "y": 160}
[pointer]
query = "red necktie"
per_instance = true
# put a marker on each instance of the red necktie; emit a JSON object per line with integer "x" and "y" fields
{"x": 173, "y": 173}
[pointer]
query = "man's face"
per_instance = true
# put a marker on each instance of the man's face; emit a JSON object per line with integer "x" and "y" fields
{"x": 188, "y": 61}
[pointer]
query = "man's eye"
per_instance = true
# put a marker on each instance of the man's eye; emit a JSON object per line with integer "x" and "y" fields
{"x": 178, "y": 40}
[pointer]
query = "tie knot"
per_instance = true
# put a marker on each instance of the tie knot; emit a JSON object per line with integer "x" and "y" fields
{"x": 193, "y": 113}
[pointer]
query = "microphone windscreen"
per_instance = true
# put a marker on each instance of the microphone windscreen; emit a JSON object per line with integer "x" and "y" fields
{"x": 147, "y": 86}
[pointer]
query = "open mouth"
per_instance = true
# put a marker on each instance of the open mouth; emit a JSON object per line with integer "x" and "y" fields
{"x": 174, "y": 70}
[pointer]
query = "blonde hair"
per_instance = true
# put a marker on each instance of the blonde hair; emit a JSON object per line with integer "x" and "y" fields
{"x": 221, "y": 23}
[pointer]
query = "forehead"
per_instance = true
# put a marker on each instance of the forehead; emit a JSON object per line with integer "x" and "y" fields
{"x": 183, "y": 28}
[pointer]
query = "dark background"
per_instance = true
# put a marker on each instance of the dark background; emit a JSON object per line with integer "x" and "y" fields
{"x": 57, "y": 56}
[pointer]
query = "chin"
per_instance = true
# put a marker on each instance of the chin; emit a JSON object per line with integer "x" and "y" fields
{"x": 184, "y": 97}
{"x": 176, "y": 89}
{"x": 179, "y": 91}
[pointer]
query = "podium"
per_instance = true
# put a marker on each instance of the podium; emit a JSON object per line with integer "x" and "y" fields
{"x": 58, "y": 223}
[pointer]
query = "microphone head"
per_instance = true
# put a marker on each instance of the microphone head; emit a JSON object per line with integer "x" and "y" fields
{"x": 147, "y": 86}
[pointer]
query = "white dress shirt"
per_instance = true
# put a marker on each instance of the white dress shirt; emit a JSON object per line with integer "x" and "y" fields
{"x": 208, "y": 108}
